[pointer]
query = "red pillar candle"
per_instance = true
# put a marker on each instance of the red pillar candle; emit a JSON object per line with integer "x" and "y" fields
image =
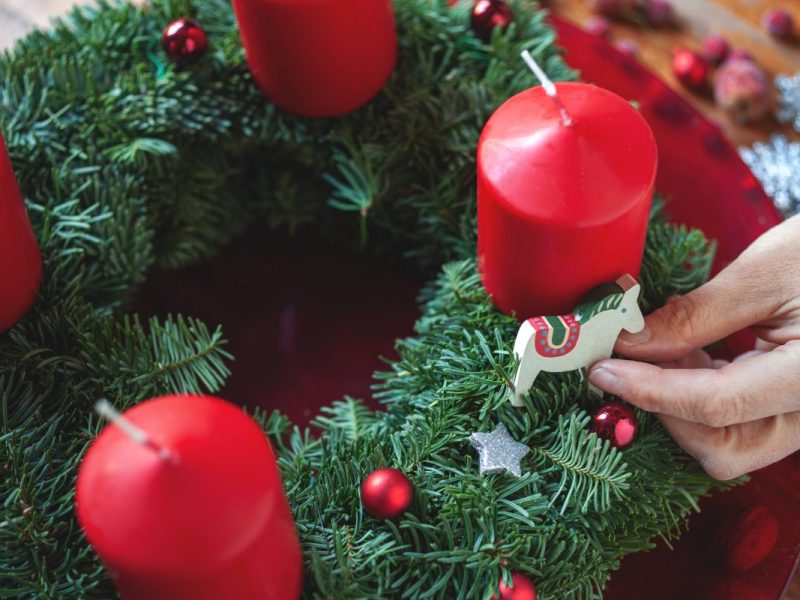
{"x": 563, "y": 196}
{"x": 318, "y": 58}
{"x": 182, "y": 500}
{"x": 20, "y": 259}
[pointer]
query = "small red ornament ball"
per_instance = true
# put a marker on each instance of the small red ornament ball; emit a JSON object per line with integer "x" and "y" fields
{"x": 615, "y": 422}
{"x": 778, "y": 22}
{"x": 488, "y": 14}
{"x": 184, "y": 40}
{"x": 521, "y": 588}
{"x": 715, "y": 49}
{"x": 386, "y": 493}
{"x": 691, "y": 69}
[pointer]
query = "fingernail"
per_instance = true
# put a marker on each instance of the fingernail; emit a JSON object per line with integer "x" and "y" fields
{"x": 633, "y": 339}
{"x": 605, "y": 379}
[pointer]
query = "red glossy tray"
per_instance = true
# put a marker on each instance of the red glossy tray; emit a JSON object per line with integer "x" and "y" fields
{"x": 308, "y": 323}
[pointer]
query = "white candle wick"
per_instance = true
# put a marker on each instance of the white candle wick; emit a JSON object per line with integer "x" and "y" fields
{"x": 548, "y": 85}
{"x": 105, "y": 409}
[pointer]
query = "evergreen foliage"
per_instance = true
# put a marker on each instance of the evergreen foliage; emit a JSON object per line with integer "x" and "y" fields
{"x": 128, "y": 163}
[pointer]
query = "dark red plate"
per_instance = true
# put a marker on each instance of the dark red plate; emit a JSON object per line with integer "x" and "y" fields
{"x": 308, "y": 323}
{"x": 711, "y": 188}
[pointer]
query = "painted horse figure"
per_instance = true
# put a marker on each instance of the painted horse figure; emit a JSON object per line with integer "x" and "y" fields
{"x": 577, "y": 340}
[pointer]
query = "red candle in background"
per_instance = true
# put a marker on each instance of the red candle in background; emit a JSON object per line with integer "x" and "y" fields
{"x": 563, "y": 196}
{"x": 318, "y": 58}
{"x": 182, "y": 500}
{"x": 20, "y": 259}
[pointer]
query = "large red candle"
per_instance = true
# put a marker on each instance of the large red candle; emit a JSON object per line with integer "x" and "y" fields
{"x": 318, "y": 58}
{"x": 197, "y": 512}
{"x": 20, "y": 259}
{"x": 563, "y": 204}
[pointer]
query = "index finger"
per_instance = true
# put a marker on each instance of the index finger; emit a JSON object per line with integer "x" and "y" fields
{"x": 761, "y": 386}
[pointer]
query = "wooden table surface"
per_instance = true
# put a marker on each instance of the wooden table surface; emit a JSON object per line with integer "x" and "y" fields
{"x": 737, "y": 20}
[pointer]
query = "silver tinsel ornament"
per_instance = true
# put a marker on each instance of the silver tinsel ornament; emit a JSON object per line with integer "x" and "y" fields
{"x": 776, "y": 165}
{"x": 789, "y": 99}
{"x": 499, "y": 451}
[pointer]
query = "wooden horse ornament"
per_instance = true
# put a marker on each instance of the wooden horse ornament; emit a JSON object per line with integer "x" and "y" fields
{"x": 579, "y": 339}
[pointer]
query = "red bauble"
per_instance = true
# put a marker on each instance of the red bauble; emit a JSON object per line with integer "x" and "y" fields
{"x": 715, "y": 49}
{"x": 778, "y": 22}
{"x": 184, "y": 40}
{"x": 691, "y": 69}
{"x": 746, "y": 539}
{"x": 386, "y": 493}
{"x": 615, "y": 422}
{"x": 522, "y": 589}
{"x": 488, "y": 14}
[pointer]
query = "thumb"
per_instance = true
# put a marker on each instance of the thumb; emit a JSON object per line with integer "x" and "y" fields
{"x": 724, "y": 305}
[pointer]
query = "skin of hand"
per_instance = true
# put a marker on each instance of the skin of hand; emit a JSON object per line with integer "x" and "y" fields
{"x": 732, "y": 417}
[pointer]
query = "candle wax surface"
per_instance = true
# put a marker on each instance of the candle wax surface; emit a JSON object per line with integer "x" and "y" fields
{"x": 145, "y": 514}
{"x": 588, "y": 173}
{"x": 561, "y": 208}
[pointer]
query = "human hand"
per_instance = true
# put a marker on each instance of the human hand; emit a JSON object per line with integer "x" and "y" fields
{"x": 732, "y": 417}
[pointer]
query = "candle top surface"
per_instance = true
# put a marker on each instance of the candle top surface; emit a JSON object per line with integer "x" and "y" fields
{"x": 144, "y": 513}
{"x": 587, "y": 173}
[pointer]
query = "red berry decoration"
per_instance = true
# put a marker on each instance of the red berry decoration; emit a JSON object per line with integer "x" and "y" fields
{"x": 690, "y": 69}
{"x": 714, "y": 49}
{"x": 615, "y": 422}
{"x": 488, "y": 14}
{"x": 521, "y": 588}
{"x": 741, "y": 88}
{"x": 747, "y": 539}
{"x": 386, "y": 493}
{"x": 184, "y": 41}
{"x": 778, "y": 22}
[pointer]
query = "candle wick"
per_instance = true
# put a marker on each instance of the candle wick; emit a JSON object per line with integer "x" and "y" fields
{"x": 548, "y": 85}
{"x": 104, "y": 408}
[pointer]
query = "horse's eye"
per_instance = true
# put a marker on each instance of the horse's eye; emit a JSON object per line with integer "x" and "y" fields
{"x": 624, "y": 310}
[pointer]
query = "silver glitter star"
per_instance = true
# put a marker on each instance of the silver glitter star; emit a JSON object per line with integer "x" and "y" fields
{"x": 499, "y": 451}
{"x": 777, "y": 166}
{"x": 789, "y": 99}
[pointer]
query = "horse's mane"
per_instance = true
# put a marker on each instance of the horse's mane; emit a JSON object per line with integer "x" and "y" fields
{"x": 607, "y": 296}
